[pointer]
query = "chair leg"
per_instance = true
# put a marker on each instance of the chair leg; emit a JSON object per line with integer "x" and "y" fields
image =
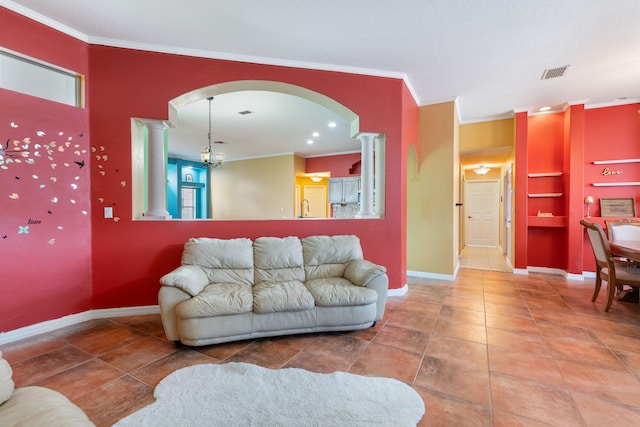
{"x": 596, "y": 291}
{"x": 611, "y": 291}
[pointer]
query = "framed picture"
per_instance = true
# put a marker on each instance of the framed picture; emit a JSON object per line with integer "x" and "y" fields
{"x": 188, "y": 177}
{"x": 618, "y": 207}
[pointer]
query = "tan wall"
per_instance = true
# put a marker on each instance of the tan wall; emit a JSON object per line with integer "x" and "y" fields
{"x": 492, "y": 134}
{"x": 254, "y": 189}
{"x": 433, "y": 189}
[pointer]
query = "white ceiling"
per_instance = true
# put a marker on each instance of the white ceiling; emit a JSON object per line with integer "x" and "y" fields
{"x": 490, "y": 55}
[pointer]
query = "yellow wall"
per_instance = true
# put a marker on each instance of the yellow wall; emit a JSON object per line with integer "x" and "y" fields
{"x": 304, "y": 180}
{"x": 492, "y": 134}
{"x": 433, "y": 189}
{"x": 254, "y": 189}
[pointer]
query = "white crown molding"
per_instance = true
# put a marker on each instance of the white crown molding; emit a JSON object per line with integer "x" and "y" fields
{"x": 44, "y": 20}
{"x": 613, "y": 103}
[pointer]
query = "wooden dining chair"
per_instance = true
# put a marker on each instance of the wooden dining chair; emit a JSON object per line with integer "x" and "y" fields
{"x": 614, "y": 273}
{"x": 623, "y": 229}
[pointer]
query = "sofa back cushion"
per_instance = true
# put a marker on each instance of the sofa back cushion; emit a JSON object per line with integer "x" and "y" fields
{"x": 224, "y": 261}
{"x": 328, "y": 256}
{"x": 278, "y": 259}
{"x": 6, "y": 383}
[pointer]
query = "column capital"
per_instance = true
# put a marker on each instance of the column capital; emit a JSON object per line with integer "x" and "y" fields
{"x": 154, "y": 123}
{"x": 368, "y": 136}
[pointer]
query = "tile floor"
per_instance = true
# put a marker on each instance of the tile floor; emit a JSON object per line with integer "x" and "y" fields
{"x": 489, "y": 349}
{"x": 481, "y": 258}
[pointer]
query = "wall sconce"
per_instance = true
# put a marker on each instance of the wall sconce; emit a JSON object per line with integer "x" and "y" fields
{"x": 589, "y": 200}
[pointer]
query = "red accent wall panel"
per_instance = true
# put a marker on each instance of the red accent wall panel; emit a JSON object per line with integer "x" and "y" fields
{"x": 45, "y": 231}
{"x": 338, "y": 166}
{"x": 130, "y": 256}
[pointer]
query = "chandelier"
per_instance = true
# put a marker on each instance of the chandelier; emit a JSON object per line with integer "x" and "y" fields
{"x": 210, "y": 158}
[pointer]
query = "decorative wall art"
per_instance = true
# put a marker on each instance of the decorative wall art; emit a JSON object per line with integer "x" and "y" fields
{"x": 40, "y": 173}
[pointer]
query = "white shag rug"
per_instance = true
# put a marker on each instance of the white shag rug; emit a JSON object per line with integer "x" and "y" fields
{"x": 241, "y": 394}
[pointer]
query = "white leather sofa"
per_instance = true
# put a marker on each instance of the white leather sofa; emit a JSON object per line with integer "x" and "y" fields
{"x": 35, "y": 406}
{"x": 236, "y": 289}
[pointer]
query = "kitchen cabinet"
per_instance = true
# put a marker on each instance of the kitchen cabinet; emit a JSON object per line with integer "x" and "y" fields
{"x": 344, "y": 190}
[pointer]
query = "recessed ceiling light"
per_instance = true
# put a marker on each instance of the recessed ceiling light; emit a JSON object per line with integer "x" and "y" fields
{"x": 315, "y": 134}
{"x": 545, "y": 109}
{"x": 332, "y": 124}
{"x": 309, "y": 141}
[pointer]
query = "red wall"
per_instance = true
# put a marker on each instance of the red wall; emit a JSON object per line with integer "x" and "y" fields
{"x": 570, "y": 142}
{"x": 338, "y": 166}
{"x": 546, "y": 154}
{"x": 45, "y": 231}
{"x": 130, "y": 256}
{"x": 107, "y": 263}
{"x": 610, "y": 133}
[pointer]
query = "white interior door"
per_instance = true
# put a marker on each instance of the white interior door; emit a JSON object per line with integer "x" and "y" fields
{"x": 482, "y": 204}
{"x": 315, "y": 204}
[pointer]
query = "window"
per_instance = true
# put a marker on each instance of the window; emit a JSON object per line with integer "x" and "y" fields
{"x": 36, "y": 78}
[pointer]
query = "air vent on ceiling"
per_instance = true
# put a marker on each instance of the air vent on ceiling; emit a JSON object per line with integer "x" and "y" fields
{"x": 245, "y": 112}
{"x": 552, "y": 73}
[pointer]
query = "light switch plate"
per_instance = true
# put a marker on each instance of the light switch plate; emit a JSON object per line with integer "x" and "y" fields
{"x": 108, "y": 212}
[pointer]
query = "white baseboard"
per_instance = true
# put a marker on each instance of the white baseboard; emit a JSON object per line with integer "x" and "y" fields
{"x": 398, "y": 292}
{"x": 547, "y": 270}
{"x": 436, "y": 276}
{"x": 52, "y": 325}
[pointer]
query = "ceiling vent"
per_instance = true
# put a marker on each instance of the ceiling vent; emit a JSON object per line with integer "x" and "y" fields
{"x": 554, "y": 72}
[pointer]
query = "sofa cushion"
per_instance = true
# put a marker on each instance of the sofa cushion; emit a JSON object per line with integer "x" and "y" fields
{"x": 327, "y": 256}
{"x": 218, "y": 299}
{"x": 271, "y": 297}
{"x": 337, "y": 292}
{"x": 6, "y": 383}
{"x": 223, "y": 260}
{"x": 278, "y": 259}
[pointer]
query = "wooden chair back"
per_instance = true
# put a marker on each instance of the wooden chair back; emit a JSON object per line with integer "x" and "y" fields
{"x": 623, "y": 229}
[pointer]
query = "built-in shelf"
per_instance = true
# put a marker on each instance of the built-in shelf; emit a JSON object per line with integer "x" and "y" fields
{"x": 613, "y": 162}
{"x": 543, "y": 174}
{"x": 614, "y": 184}
{"x": 547, "y": 221}
{"x": 545, "y": 195}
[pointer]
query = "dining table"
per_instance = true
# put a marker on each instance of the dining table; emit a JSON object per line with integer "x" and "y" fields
{"x": 626, "y": 248}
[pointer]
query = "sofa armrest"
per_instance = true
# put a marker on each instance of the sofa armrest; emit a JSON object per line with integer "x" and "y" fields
{"x": 380, "y": 284}
{"x": 168, "y": 298}
{"x": 360, "y": 272}
{"x": 188, "y": 278}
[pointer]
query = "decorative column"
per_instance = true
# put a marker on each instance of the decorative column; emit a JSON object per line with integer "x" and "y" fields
{"x": 366, "y": 178}
{"x": 156, "y": 171}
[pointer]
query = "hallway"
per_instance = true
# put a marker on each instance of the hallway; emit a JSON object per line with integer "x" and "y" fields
{"x": 483, "y": 258}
